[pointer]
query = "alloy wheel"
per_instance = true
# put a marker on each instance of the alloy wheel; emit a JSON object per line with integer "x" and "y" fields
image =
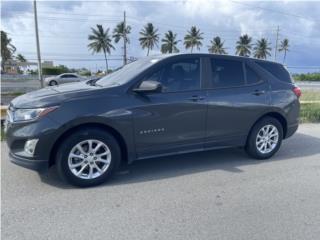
{"x": 89, "y": 159}
{"x": 267, "y": 139}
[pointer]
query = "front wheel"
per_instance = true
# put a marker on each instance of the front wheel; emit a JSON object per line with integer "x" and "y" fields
{"x": 265, "y": 138}
{"x": 88, "y": 157}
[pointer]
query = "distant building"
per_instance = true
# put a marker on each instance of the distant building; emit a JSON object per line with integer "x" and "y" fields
{"x": 13, "y": 66}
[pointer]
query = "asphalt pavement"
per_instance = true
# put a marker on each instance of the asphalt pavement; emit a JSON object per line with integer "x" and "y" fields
{"x": 210, "y": 195}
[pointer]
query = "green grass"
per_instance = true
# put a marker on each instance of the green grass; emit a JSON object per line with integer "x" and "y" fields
{"x": 310, "y": 95}
{"x": 3, "y": 135}
{"x": 13, "y": 94}
{"x": 310, "y": 112}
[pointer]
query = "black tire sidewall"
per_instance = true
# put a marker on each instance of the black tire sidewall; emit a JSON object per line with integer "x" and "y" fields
{"x": 79, "y": 136}
{"x": 251, "y": 147}
{"x": 53, "y": 83}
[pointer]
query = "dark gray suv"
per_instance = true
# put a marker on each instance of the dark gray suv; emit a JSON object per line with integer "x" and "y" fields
{"x": 156, "y": 106}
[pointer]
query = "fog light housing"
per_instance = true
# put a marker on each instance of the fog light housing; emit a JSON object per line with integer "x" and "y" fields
{"x": 30, "y": 146}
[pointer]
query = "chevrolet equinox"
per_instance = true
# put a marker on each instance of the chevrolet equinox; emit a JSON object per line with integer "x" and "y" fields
{"x": 156, "y": 106}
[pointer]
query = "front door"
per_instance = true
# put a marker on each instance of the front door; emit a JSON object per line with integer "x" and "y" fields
{"x": 174, "y": 120}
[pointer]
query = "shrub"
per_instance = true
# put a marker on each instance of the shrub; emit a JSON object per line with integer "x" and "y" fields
{"x": 307, "y": 77}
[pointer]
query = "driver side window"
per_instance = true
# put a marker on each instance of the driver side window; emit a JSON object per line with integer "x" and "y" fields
{"x": 182, "y": 75}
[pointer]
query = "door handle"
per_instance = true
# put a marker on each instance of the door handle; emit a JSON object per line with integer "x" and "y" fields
{"x": 196, "y": 98}
{"x": 258, "y": 92}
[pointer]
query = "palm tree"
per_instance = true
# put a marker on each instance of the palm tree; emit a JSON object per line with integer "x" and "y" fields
{"x": 149, "y": 37}
{"x": 284, "y": 46}
{"x": 217, "y": 46}
{"x": 262, "y": 49}
{"x": 21, "y": 58}
{"x": 100, "y": 41}
{"x": 121, "y": 32}
{"x": 7, "y": 49}
{"x": 244, "y": 46}
{"x": 193, "y": 38}
{"x": 169, "y": 43}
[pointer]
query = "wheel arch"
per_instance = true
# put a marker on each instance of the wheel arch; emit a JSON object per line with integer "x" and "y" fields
{"x": 275, "y": 115}
{"x": 116, "y": 134}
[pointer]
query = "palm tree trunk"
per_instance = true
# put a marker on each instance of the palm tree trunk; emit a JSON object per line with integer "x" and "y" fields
{"x": 2, "y": 65}
{"x": 105, "y": 57}
{"x": 191, "y": 48}
{"x": 284, "y": 56}
{"x": 148, "y": 51}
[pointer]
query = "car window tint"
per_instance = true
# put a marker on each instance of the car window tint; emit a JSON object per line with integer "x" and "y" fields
{"x": 277, "y": 70}
{"x": 226, "y": 73}
{"x": 182, "y": 75}
{"x": 252, "y": 76}
{"x": 68, "y": 76}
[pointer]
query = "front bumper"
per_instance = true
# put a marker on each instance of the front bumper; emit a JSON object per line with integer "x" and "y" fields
{"x": 44, "y": 129}
{"x": 37, "y": 165}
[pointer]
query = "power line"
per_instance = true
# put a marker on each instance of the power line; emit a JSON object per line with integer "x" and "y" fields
{"x": 277, "y": 11}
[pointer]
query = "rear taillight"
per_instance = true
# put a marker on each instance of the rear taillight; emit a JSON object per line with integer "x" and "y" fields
{"x": 297, "y": 91}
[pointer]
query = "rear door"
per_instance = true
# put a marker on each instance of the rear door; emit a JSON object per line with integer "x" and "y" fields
{"x": 236, "y": 97}
{"x": 174, "y": 120}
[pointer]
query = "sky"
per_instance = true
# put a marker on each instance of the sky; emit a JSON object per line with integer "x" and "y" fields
{"x": 64, "y": 27}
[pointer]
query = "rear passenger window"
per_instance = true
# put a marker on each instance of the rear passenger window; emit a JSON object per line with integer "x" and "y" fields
{"x": 276, "y": 70}
{"x": 252, "y": 76}
{"x": 227, "y": 73}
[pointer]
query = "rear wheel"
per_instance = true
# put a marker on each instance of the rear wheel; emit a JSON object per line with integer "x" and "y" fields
{"x": 265, "y": 138}
{"x": 88, "y": 157}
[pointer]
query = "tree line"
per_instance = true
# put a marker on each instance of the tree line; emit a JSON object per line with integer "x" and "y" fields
{"x": 101, "y": 41}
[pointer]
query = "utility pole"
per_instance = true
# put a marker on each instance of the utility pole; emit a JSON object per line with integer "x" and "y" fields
{"x": 37, "y": 42}
{"x": 124, "y": 39}
{"x": 276, "y": 48}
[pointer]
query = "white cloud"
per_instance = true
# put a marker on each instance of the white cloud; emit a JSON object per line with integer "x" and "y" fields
{"x": 64, "y": 28}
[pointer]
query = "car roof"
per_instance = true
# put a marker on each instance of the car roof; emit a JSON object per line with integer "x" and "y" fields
{"x": 69, "y": 73}
{"x": 163, "y": 56}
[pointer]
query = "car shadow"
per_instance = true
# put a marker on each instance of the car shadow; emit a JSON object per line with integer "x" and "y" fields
{"x": 231, "y": 159}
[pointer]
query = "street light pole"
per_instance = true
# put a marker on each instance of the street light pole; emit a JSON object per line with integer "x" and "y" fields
{"x": 37, "y": 42}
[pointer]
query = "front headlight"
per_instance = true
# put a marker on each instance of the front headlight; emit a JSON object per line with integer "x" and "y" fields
{"x": 19, "y": 115}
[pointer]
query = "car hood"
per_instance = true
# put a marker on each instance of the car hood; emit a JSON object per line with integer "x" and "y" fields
{"x": 51, "y": 96}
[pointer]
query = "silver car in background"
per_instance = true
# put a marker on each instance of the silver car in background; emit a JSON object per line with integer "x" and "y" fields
{"x": 63, "y": 78}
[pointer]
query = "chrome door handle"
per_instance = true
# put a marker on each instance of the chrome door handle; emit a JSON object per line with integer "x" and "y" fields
{"x": 196, "y": 98}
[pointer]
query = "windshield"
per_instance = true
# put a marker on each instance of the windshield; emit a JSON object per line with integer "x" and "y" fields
{"x": 126, "y": 73}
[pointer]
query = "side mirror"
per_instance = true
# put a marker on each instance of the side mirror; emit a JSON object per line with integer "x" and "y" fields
{"x": 149, "y": 86}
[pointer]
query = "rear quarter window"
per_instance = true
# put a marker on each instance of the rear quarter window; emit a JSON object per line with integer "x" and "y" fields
{"x": 276, "y": 70}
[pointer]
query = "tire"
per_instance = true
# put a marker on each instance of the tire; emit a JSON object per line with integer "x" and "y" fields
{"x": 108, "y": 152}
{"x": 255, "y": 144}
{"x": 53, "y": 83}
